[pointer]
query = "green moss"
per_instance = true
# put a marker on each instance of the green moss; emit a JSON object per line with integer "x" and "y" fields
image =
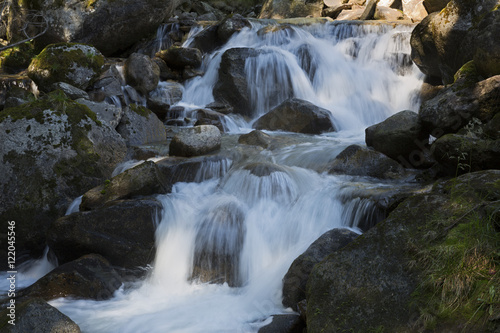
{"x": 140, "y": 110}
{"x": 17, "y": 58}
{"x": 466, "y": 77}
{"x": 59, "y": 60}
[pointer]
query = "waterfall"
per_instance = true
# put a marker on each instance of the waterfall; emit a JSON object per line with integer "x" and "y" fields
{"x": 225, "y": 242}
{"x": 361, "y": 73}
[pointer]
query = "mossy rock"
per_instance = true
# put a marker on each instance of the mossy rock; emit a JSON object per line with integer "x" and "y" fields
{"x": 18, "y": 58}
{"x": 75, "y": 64}
{"x": 54, "y": 149}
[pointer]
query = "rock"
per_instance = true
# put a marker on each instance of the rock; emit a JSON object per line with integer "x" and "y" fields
{"x": 198, "y": 140}
{"x": 37, "y": 316}
{"x": 296, "y": 115}
{"x": 108, "y": 85}
{"x": 351, "y": 14}
{"x": 492, "y": 128}
{"x": 108, "y": 25}
{"x": 142, "y": 180}
{"x": 72, "y": 92}
{"x": 209, "y": 117}
{"x": 401, "y": 138}
{"x": 382, "y": 278}
{"x": 460, "y": 153}
{"x": 17, "y": 96}
{"x": 435, "y": 39}
{"x": 295, "y": 280}
{"x": 454, "y": 106}
{"x": 230, "y": 26}
{"x": 52, "y": 151}
{"x": 16, "y": 59}
{"x": 334, "y": 12}
{"x": 289, "y": 323}
{"x": 8, "y": 83}
{"x": 140, "y": 126}
{"x": 256, "y": 138}
{"x": 123, "y": 233}
{"x": 207, "y": 40}
{"x": 369, "y": 11}
{"x": 359, "y": 161}
{"x": 279, "y": 9}
{"x": 429, "y": 91}
{"x": 223, "y": 108}
{"x": 432, "y": 6}
{"x": 166, "y": 73}
{"x": 166, "y": 94}
{"x": 77, "y": 64}
{"x": 141, "y": 73}
{"x": 232, "y": 86}
{"x": 414, "y": 9}
{"x": 219, "y": 242}
{"x": 106, "y": 113}
{"x": 487, "y": 53}
{"x": 389, "y": 14}
{"x": 88, "y": 277}
{"x": 180, "y": 57}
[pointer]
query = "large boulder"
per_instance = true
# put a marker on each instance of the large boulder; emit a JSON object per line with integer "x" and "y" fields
{"x": 280, "y": 9}
{"x": 398, "y": 273}
{"x": 144, "y": 179}
{"x": 52, "y": 151}
{"x": 140, "y": 126}
{"x": 296, "y": 115}
{"x": 37, "y": 316}
{"x": 295, "y": 280}
{"x": 230, "y": 26}
{"x": 75, "y": 64}
{"x": 109, "y": 25}
{"x": 89, "y": 277}
{"x": 454, "y": 106}
{"x": 180, "y": 57}
{"x": 198, "y": 140}
{"x": 461, "y": 153}
{"x": 487, "y": 45}
{"x": 141, "y": 72}
{"x": 434, "y": 41}
{"x": 232, "y": 86}
{"x": 400, "y": 137}
{"x": 356, "y": 160}
{"x": 123, "y": 233}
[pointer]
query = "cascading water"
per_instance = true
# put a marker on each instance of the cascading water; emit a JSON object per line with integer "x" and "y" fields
{"x": 245, "y": 221}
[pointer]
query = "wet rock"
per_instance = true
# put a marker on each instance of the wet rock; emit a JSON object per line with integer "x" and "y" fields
{"x": 77, "y": 64}
{"x": 401, "y": 138}
{"x": 435, "y": 39}
{"x": 108, "y": 85}
{"x": 88, "y": 277}
{"x": 371, "y": 282}
{"x": 356, "y": 160}
{"x": 207, "y": 40}
{"x": 142, "y": 180}
{"x": 256, "y": 138}
{"x": 108, "y": 25}
{"x": 295, "y": 280}
{"x": 48, "y": 158}
{"x": 296, "y": 115}
{"x": 166, "y": 94}
{"x": 276, "y": 9}
{"x": 37, "y": 316}
{"x": 454, "y": 106}
{"x": 487, "y": 53}
{"x": 72, "y": 92}
{"x": 123, "y": 233}
{"x": 290, "y": 323}
{"x": 141, "y": 73}
{"x": 199, "y": 140}
{"x": 181, "y": 57}
{"x": 232, "y": 85}
{"x": 230, "y": 26}
{"x": 223, "y": 108}
{"x": 140, "y": 126}
{"x": 461, "y": 154}
{"x": 209, "y": 117}
{"x": 219, "y": 241}
{"x": 106, "y": 113}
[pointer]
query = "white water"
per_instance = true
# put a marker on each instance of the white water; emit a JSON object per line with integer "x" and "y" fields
{"x": 276, "y": 209}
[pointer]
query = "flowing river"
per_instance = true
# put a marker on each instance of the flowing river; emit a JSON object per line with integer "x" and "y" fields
{"x": 263, "y": 208}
